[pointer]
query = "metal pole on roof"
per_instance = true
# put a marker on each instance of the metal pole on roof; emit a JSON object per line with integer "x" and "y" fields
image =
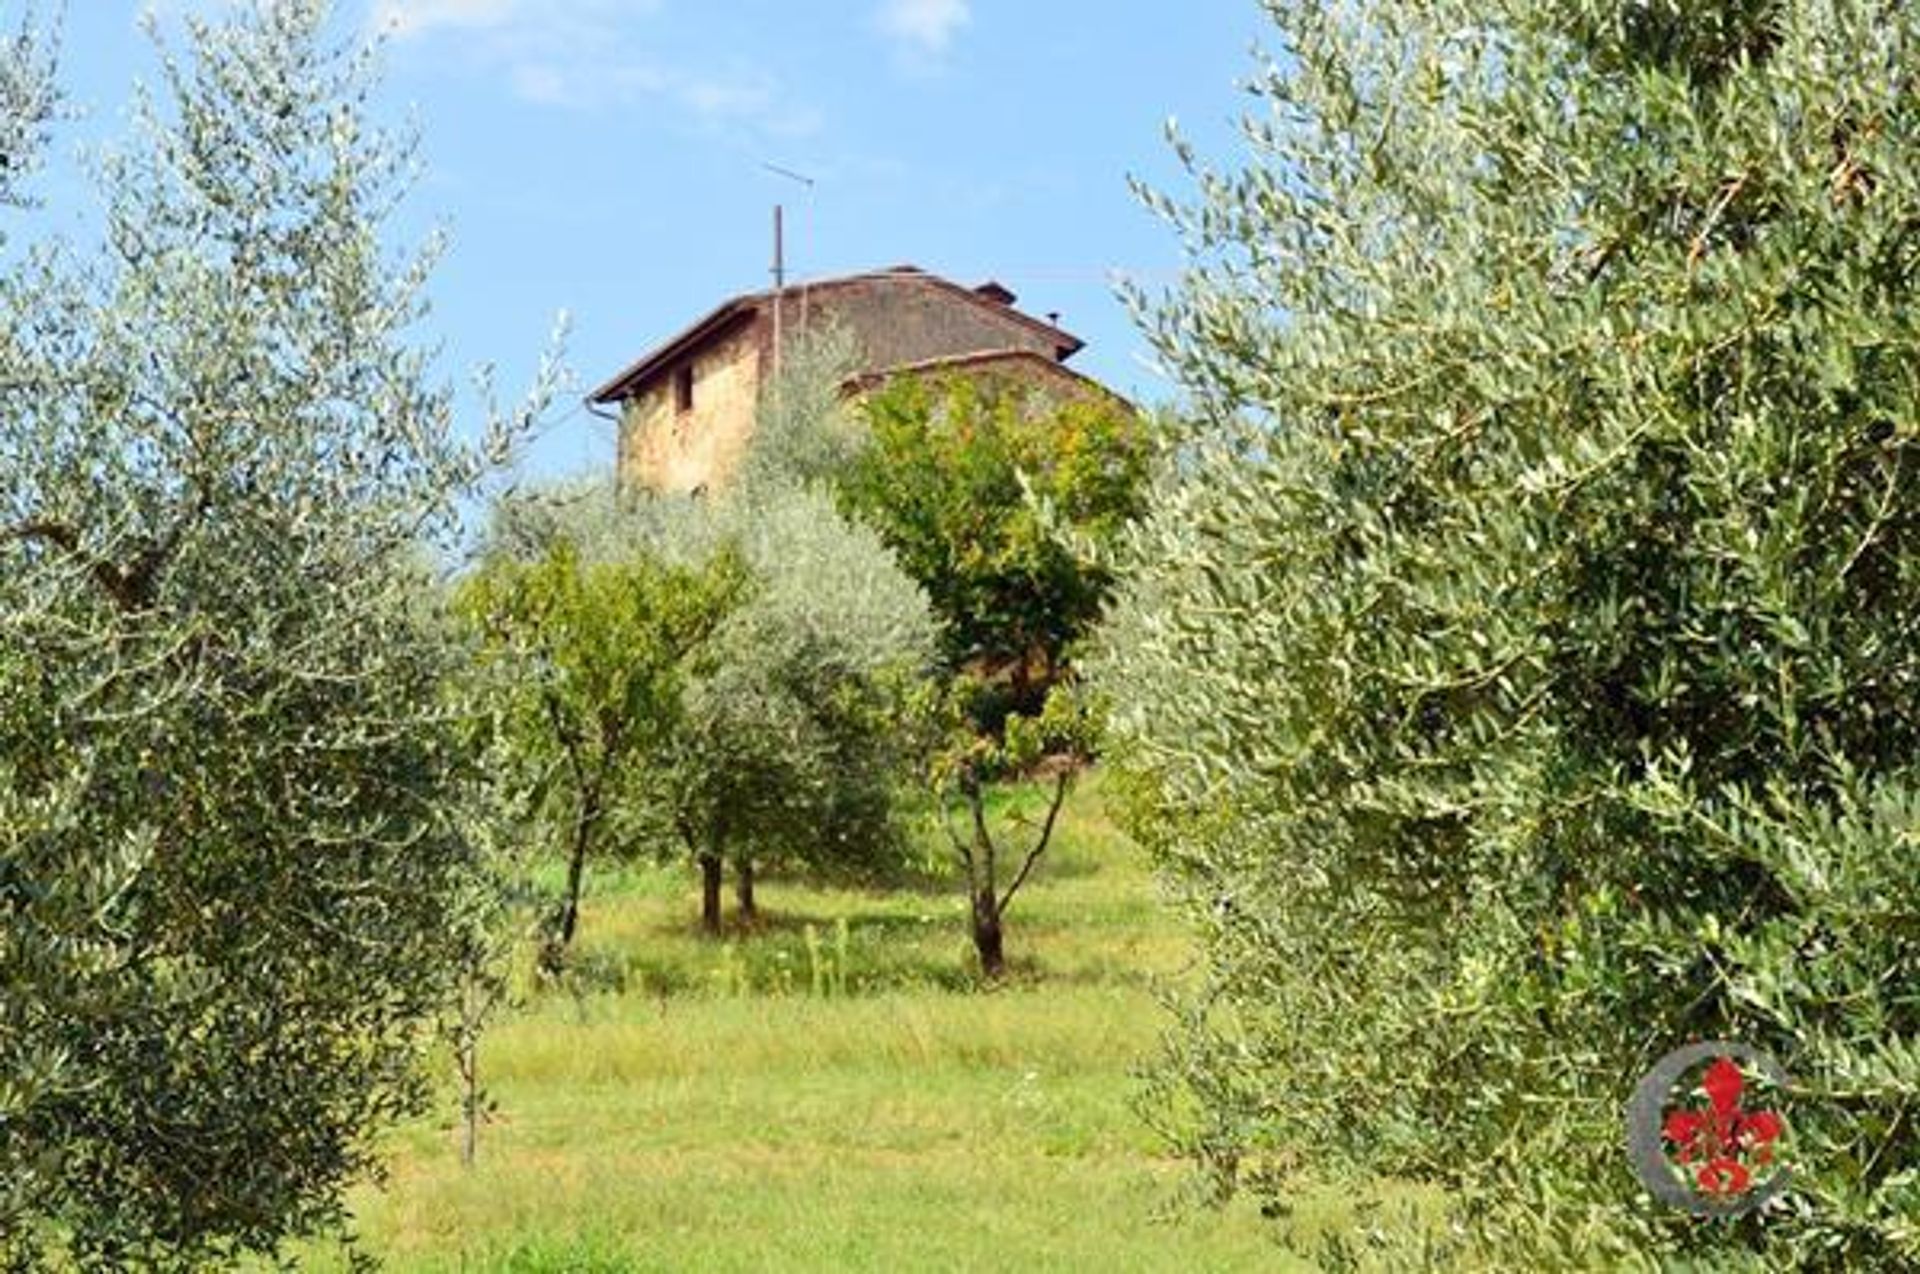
{"x": 780, "y": 257}
{"x": 779, "y": 282}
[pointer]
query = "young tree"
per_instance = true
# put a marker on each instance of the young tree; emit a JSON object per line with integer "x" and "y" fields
{"x": 966, "y": 764}
{"x": 590, "y": 657}
{"x": 971, "y": 485}
{"x": 492, "y": 919}
{"x": 1526, "y": 687}
{"x": 793, "y": 748}
{"x": 229, "y": 785}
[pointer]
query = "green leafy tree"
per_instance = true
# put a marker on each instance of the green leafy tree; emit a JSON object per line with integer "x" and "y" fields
{"x": 989, "y": 493}
{"x": 590, "y": 657}
{"x": 231, "y": 791}
{"x": 1518, "y": 676}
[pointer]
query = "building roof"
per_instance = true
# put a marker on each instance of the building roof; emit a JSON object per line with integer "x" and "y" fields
{"x": 732, "y": 314}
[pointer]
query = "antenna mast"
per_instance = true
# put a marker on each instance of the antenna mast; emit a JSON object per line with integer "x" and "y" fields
{"x": 780, "y": 260}
{"x": 779, "y": 282}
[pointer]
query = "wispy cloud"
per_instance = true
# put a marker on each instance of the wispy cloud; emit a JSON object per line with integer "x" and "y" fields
{"x": 589, "y": 55}
{"x": 734, "y": 97}
{"x": 923, "y": 28}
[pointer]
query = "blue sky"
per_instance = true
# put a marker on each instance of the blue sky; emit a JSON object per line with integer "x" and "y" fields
{"x": 604, "y": 157}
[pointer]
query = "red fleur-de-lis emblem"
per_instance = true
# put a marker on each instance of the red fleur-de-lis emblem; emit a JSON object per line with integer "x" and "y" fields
{"x": 1722, "y": 1145}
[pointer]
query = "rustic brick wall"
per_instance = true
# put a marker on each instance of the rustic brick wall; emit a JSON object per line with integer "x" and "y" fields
{"x": 666, "y": 449}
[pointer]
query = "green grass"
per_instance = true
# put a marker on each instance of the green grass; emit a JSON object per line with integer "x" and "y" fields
{"x": 831, "y": 1091}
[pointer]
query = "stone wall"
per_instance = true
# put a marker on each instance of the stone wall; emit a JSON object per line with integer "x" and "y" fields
{"x": 666, "y": 449}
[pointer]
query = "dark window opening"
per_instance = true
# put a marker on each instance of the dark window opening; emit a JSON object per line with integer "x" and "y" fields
{"x": 683, "y": 388}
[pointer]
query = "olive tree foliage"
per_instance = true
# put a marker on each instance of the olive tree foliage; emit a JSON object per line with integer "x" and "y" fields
{"x": 27, "y": 103}
{"x": 1518, "y": 674}
{"x": 231, "y": 786}
{"x": 806, "y": 430}
{"x": 794, "y": 752}
{"x": 811, "y": 698}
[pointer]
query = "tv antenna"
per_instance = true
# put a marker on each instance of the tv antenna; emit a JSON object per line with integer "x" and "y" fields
{"x": 780, "y": 255}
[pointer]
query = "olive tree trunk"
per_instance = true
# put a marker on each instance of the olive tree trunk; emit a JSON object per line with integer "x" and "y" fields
{"x": 743, "y": 891}
{"x": 710, "y": 882}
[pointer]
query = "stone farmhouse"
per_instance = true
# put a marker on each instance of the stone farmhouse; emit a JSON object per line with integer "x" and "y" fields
{"x": 686, "y": 409}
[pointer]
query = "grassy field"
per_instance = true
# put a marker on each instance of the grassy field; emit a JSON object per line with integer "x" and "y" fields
{"x": 829, "y": 1092}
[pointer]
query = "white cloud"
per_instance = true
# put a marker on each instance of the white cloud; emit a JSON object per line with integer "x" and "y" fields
{"x": 723, "y": 99}
{"x": 584, "y": 55}
{"x": 924, "y": 27}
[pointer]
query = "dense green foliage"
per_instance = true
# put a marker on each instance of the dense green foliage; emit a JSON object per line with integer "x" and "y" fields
{"x": 231, "y": 795}
{"x": 1520, "y": 675}
{"x": 990, "y": 494}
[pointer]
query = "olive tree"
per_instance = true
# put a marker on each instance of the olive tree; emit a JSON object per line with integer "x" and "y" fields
{"x": 795, "y": 749}
{"x": 27, "y": 103}
{"x": 1518, "y": 674}
{"x": 231, "y": 789}
{"x": 799, "y": 741}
